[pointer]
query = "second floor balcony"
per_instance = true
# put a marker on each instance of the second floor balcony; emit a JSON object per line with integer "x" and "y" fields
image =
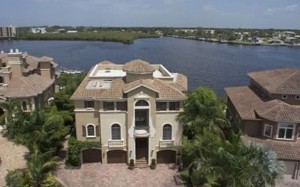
{"x": 166, "y": 143}
{"x": 115, "y": 143}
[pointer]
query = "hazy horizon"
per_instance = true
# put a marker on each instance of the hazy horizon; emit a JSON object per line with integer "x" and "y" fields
{"x": 248, "y": 14}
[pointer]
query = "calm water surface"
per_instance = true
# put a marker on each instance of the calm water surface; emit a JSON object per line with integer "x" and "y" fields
{"x": 205, "y": 64}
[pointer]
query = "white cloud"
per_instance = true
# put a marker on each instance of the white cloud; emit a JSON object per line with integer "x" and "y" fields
{"x": 289, "y": 8}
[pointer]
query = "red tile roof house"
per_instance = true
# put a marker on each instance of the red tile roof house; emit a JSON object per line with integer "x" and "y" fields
{"x": 268, "y": 112}
{"x": 28, "y": 79}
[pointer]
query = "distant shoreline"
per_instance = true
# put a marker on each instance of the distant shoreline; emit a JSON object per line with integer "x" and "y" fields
{"x": 236, "y": 42}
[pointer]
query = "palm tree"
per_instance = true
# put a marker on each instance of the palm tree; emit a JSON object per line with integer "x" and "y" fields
{"x": 201, "y": 110}
{"x": 39, "y": 167}
{"x": 224, "y": 163}
{"x": 13, "y": 117}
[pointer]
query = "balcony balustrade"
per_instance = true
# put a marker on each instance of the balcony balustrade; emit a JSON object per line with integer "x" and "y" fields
{"x": 115, "y": 143}
{"x": 166, "y": 143}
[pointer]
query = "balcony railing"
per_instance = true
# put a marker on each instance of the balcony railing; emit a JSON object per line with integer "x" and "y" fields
{"x": 166, "y": 143}
{"x": 115, "y": 143}
{"x": 141, "y": 131}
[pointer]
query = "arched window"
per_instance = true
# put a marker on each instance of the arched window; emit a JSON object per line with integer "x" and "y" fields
{"x": 167, "y": 132}
{"x": 115, "y": 132}
{"x": 90, "y": 130}
{"x": 142, "y": 103}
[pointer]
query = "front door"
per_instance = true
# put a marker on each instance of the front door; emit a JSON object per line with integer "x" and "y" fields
{"x": 141, "y": 145}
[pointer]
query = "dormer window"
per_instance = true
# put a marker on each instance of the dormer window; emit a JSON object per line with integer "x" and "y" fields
{"x": 285, "y": 131}
{"x": 284, "y": 96}
{"x": 268, "y": 130}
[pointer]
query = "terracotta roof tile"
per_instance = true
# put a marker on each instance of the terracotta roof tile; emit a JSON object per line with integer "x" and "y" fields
{"x": 105, "y": 62}
{"x": 280, "y": 81}
{"x": 248, "y": 104}
{"x": 284, "y": 149}
{"x": 27, "y": 86}
{"x": 138, "y": 66}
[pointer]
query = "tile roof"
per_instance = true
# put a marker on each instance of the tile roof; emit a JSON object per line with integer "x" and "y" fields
{"x": 31, "y": 85}
{"x": 138, "y": 66}
{"x": 279, "y": 81}
{"x": 165, "y": 89}
{"x": 105, "y": 62}
{"x": 249, "y": 105}
{"x": 284, "y": 149}
{"x": 281, "y": 112}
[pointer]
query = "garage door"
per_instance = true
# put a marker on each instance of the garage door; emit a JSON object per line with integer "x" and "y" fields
{"x": 91, "y": 155}
{"x": 116, "y": 156}
{"x": 166, "y": 156}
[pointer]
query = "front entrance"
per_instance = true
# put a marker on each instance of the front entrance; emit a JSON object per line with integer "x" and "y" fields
{"x": 141, "y": 149}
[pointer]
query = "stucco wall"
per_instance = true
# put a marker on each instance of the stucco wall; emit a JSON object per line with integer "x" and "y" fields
{"x": 83, "y": 118}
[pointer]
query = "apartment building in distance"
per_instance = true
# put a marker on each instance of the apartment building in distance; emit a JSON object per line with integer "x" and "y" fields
{"x": 8, "y": 32}
{"x": 131, "y": 109}
{"x": 268, "y": 112}
{"x": 28, "y": 79}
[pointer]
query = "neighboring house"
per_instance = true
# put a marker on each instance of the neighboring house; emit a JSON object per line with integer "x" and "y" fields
{"x": 132, "y": 110}
{"x": 268, "y": 112}
{"x": 28, "y": 79}
{"x": 40, "y": 30}
{"x": 8, "y": 32}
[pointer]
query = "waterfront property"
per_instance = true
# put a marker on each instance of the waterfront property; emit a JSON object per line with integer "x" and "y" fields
{"x": 132, "y": 110}
{"x": 8, "y": 32}
{"x": 28, "y": 79}
{"x": 268, "y": 112}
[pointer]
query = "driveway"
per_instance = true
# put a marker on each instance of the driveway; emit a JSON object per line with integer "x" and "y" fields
{"x": 117, "y": 175}
{"x": 12, "y": 157}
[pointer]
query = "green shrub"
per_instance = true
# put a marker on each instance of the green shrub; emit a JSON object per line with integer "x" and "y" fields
{"x": 17, "y": 178}
{"x": 74, "y": 150}
{"x": 73, "y": 157}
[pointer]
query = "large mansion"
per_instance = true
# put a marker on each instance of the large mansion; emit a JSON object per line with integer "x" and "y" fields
{"x": 28, "y": 79}
{"x": 131, "y": 109}
{"x": 268, "y": 112}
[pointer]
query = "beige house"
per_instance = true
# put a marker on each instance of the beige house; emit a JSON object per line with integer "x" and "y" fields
{"x": 132, "y": 110}
{"x": 26, "y": 78}
{"x": 268, "y": 112}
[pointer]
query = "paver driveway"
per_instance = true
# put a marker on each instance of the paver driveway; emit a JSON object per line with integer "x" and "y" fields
{"x": 117, "y": 175}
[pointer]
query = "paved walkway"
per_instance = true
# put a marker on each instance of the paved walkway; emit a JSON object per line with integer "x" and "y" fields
{"x": 12, "y": 157}
{"x": 117, "y": 175}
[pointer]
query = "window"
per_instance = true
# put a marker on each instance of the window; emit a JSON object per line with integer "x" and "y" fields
{"x": 167, "y": 132}
{"x": 90, "y": 131}
{"x": 285, "y": 131}
{"x": 1, "y": 79}
{"x": 142, "y": 103}
{"x": 161, "y": 106}
{"x": 108, "y": 106}
{"x": 284, "y": 96}
{"x": 24, "y": 105}
{"x": 174, "y": 105}
{"x": 268, "y": 130}
{"x": 115, "y": 132}
{"x": 297, "y": 97}
{"x": 122, "y": 105}
{"x": 298, "y": 137}
{"x": 88, "y": 104}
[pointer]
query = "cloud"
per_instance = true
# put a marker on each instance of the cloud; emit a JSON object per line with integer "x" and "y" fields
{"x": 289, "y": 8}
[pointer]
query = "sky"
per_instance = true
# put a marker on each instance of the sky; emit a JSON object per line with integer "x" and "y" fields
{"x": 283, "y": 14}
